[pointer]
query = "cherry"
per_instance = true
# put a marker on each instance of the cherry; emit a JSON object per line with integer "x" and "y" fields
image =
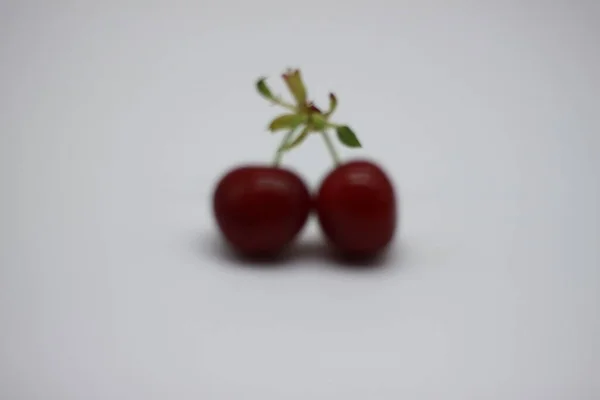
{"x": 261, "y": 209}
{"x": 356, "y": 206}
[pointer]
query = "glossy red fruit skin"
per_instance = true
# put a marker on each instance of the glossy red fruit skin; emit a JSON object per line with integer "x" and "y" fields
{"x": 261, "y": 209}
{"x": 356, "y": 206}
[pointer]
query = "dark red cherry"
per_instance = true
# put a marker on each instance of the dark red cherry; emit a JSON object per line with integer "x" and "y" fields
{"x": 356, "y": 205}
{"x": 261, "y": 209}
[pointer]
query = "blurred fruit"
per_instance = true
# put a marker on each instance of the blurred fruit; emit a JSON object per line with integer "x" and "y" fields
{"x": 356, "y": 206}
{"x": 261, "y": 209}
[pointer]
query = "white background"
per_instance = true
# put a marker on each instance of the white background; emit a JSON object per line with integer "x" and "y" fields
{"x": 117, "y": 118}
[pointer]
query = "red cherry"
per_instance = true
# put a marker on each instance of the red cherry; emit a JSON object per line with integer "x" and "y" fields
{"x": 356, "y": 206}
{"x": 261, "y": 209}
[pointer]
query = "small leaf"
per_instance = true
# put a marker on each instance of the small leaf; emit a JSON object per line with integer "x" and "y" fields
{"x": 347, "y": 137}
{"x": 286, "y": 121}
{"x": 293, "y": 80}
{"x": 332, "y": 104}
{"x": 301, "y": 138}
{"x": 263, "y": 89}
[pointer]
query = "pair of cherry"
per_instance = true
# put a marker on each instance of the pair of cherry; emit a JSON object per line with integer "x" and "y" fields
{"x": 260, "y": 210}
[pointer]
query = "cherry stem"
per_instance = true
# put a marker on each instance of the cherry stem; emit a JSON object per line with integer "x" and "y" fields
{"x": 280, "y": 150}
{"x": 332, "y": 151}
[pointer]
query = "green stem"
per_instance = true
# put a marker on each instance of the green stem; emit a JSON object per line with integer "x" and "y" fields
{"x": 280, "y": 151}
{"x": 332, "y": 152}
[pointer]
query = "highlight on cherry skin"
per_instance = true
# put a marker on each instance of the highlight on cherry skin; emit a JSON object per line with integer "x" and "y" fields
{"x": 260, "y": 209}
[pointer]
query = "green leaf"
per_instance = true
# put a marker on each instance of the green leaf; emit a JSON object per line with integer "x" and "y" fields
{"x": 347, "y": 137}
{"x": 286, "y": 121}
{"x": 263, "y": 89}
{"x": 293, "y": 80}
{"x": 299, "y": 139}
{"x": 332, "y": 104}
